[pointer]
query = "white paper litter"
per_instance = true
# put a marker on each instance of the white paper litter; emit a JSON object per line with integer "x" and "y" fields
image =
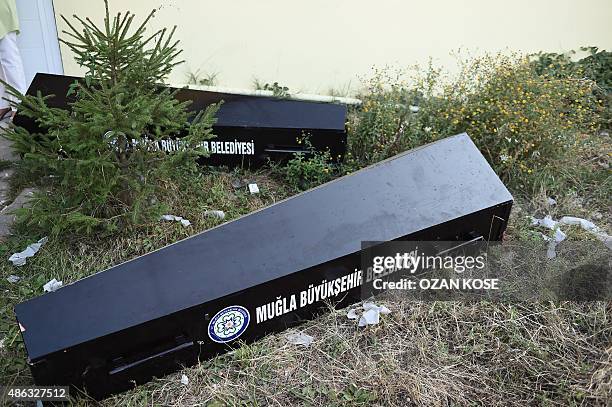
{"x": 13, "y": 278}
{"x": 372, "y": 306}
{"x": 352, "y": 314}
{"x": 370, "y": 317}
{"x": 371, "y": 313}
{"x": 52, "y": 285}
{"x": 184, "y": 380}
{"x": 546, "y": 222}
{"x": 2, "y": 343}
{"x": 587, "y": 225}
{"x": 552, "y": 245}
{"x": 583, "y": 223}
{"x": 299, "y": 338}
{"x": 173, "y": 218}
{"x": 253, "y": 189}
{"x": 559, "y": 236}
{"x": 19, "y": 259}
{"x": 551, "y": 201}
{"x": 414, "y": 109}
{"x": 213, "y": 214}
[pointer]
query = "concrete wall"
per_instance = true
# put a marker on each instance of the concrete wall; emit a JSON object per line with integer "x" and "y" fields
{"x": 317, "y": 44}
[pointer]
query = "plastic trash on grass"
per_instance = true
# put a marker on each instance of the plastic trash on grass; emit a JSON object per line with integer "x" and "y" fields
{"x": 253, "y": 189}
{"x": 19, "y": 259}
{"x": 370, "y": 315}
{"x": 546, "y": 222}
{"x": 184, "y": 380}
{"x": 299, "y": 338}
{"x": 215, "y": 214}
{"x": 173, "y": 218}
{"x": 559, "y": 236}
{"x": 13, "y": 278}
{"x": 52, "y": 285}
{"x": 550, "y": 223}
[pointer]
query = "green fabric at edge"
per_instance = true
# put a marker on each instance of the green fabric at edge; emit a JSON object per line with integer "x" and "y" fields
{"x": 8, "y": 17}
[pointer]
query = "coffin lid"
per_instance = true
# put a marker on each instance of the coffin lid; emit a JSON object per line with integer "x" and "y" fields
{"x": 410, "y": 192}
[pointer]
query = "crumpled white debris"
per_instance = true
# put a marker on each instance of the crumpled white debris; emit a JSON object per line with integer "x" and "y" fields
{"x": 215, "y": 214}
{"x": 299, "y": 338}
{"x": 253, "y": 189}
{"x": 174, "y": 218}
{"x": 414, "y": 109}
{"x": 52, "y": 285}
{"x": 583, "y": 223}
{"x": 371, "y": 313}
{"x": 184, "y": 380}
{"x": 559, "y": 236}
{"x": 587, "y": 225}
{"x": 352, "y": 314}
{"x": 546, "y": 222}
{"x": 551, "y": 201}
{"x": 13, "y": 278}
{"x": 19, "y": 259}
{"x": 369, "y": 317}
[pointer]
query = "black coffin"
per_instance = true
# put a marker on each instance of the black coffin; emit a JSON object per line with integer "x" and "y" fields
{"x": 249, "y": 129}
{"x": 195, "y": 298}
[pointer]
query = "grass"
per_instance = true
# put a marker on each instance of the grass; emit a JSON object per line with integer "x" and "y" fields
{"x": 423, "y": 353}
{"x": 70, "y": 259}
{"x": 441, "y": 353}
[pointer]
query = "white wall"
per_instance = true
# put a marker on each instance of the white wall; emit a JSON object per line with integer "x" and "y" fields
{"x": 37, "y": 39}
{"x": 316, "y": 44}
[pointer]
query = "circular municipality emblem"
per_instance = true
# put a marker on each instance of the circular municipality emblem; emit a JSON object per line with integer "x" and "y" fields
{"x": 228, "y": 324}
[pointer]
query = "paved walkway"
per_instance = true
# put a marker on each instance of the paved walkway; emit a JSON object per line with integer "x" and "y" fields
{"x": 6, "y": 152}
{"x": 8, "y": 206}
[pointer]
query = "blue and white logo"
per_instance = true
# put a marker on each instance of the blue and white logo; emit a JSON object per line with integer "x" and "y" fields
{"x": 228, "y": 324}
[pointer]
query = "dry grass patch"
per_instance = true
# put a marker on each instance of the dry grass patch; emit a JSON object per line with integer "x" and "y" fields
{"x": 422, "y": 354}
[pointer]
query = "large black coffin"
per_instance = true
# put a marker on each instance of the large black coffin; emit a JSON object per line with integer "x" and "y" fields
{"x": 269, "y": 126}
{"x": 192, "y": 299}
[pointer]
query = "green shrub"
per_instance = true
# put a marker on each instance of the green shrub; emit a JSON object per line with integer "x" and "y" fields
{"x": 597, "y": 66}
{"x": 385, "y": 124}
{"x": 522, "y": 122}
{"x": 309, "y": 169}
{"x": 100, "y": 161}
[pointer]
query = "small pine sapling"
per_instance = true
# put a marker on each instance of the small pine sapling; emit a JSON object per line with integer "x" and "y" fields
{"x": 101, "y": 160}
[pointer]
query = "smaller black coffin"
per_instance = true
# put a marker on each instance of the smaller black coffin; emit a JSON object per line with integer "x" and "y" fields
{"x": 249, "y": 129}
{"x": 189, "y": 300}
